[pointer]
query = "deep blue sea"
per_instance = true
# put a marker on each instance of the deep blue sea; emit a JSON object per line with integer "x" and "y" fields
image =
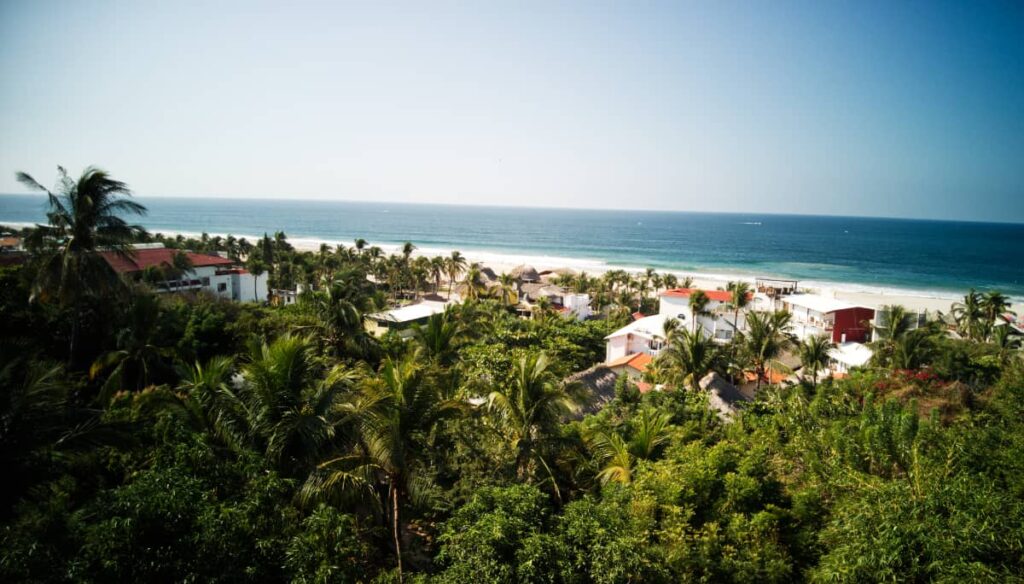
{"x": 928, "y": 256}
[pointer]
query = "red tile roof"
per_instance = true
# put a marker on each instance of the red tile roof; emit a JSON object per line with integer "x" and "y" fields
{"x": 140, "y": 259}
{"x": 717, "y": 295}
{"x": 638, "y": 315}
{"x": 644, "y": 387}
{"x": 638, "y": 361}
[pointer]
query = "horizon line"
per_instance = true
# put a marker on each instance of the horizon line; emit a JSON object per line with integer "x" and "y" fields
{"x": 308, "y": 198}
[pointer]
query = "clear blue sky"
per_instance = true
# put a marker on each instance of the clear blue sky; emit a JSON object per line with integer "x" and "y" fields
{"x": 862, "y": 108}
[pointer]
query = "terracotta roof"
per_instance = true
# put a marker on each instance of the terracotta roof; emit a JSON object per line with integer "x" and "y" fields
{"x": 716, "y": 295}
{"x": 638, "y": 361}
{"x": 638, "y": 315}
{"x": 644, "y": 387}
{"x": 770, "y": 376}
{"x": 140, "y": 259}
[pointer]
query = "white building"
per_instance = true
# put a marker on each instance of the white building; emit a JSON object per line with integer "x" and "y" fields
{"x": 402, "y": 318}
{"x": 645, "y": 336}
{"x": 214, "y": 274}
{"x": 817, "y": 315}
{"x": 717, "y": 321}
{"x": 846, "y": 356}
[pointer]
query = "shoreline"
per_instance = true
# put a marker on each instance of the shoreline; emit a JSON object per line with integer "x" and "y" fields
{"x": 852, "y": 292}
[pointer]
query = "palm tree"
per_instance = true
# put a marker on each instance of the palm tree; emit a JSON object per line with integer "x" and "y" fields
{"x": 506, "y": 289}
{"x": 814, "y": 354}
{"x": 474, "y": 282}
{"x": 437, "y": 271}
{"x": 257, "y": 267}
{"x": 407, "y": 249}
{"x": 698, "y": 305}
{"x": 137, "y": 354}
{"x": 290, "y": 401}
{"x": 205, "y": 401}
{"x": 394, "y": 414}
{"x": 1007, "y": 340}
{"x": 650, "y": 430}
{"x": 689, "y": 357}
{"x": 84, "y": 217}
{"x": 360, "y": 244}
{"x": 670, "y": 281}
{"x": 454, "y": 266}
{"x": 440, "y": 338}
{"x": 892, "y": 323}
{"x": 766, "y": 338}
{"x": 994, "y": 304}
{"x": 530, "y": 410}
{"x": 970, "y": 315}
{"x": 740, "y": 297}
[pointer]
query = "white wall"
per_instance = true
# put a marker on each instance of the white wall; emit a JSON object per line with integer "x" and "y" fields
{"x": 249, "y": 288}
{"x": 615, "y": 348}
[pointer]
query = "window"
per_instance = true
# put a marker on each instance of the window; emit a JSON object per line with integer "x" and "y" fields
{"x": 206, "y": 281}
{"x": 222, "y": 287}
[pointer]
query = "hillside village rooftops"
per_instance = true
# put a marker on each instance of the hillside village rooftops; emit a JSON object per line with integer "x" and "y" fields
{"x": 817, "y": 303}
{"x": 138, "y": 260}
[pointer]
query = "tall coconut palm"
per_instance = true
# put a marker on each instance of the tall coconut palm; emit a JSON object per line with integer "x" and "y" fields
{"x": 84, "y": 216}
{"x": 474, "y": 282}
{"x": 291, "y": 400}
{"x": 994, "y": 304}
{"x": 689, "y": 357}
{"x": 766, "y": 338}
{"x": 437, "y": 271}
{"x": 506, "y": 291}
{"x": 395, "y": 413}
{"x": 814, "y": 354}
{"x": 530, "y": 410}
{"x": 455, "y": 264}
{"x": 739, "y": 298}
{"x": 970, "y": 315}
{"x": 698, "y": 306}
{"x": 407, "y": 249}
{"x": 670, "y": 281}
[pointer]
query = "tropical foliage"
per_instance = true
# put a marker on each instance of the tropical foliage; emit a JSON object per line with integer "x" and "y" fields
{"x": 185, "y": 438}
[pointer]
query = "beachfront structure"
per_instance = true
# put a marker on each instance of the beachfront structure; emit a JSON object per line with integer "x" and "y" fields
{"x": 642, "y": 336}
{"x": 846, "y": 356}
{"x": 816, "y": 315}
{"x": 569, "y": 304}
{"x": 402, "y": 318}
{"x": 646, "y": 334}
{"x": 774, "y": 287}
{"x": 216, "y": 275}
{"x": 716, "y": 321}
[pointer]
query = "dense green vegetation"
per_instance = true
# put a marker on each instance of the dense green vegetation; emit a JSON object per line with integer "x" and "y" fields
{"x": 183, "y": 438}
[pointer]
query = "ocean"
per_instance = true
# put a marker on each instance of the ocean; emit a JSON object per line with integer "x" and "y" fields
{"x": 922, "y": 256}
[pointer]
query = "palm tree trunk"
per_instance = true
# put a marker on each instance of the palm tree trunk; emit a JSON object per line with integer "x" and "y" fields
{"x": 396, "y": 530}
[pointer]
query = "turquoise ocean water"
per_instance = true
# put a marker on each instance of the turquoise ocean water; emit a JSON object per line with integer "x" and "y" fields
{"x": 926, "y": 256}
